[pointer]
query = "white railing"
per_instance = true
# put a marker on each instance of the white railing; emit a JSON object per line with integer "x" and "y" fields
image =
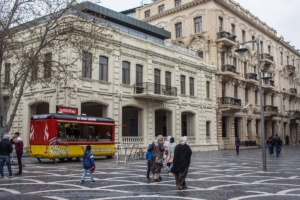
{"x": 133, "y": 140}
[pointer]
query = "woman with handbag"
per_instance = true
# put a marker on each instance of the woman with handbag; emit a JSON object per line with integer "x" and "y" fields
{"x": 170, "y": 154}
{"x": 157, "y": 157}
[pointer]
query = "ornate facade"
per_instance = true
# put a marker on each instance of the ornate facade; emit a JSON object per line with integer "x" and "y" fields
{"x": 214, "y": 28}
{"x": 147, "y": 86}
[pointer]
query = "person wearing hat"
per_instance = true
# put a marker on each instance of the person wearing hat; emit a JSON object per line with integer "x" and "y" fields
{"x": 18, "y": 142}
{"x": 5, "y": 151}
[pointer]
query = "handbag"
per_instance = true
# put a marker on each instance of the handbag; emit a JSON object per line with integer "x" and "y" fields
{"x": 166, "y": 152}
{"x": 158, "y": 160}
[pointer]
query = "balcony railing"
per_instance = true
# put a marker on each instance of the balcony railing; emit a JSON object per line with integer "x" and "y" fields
{"x": 146, "y": 87}
{"x": 132, "y": 139}
{"x": 230, "y": 101}
{"x": 266, "y": 56}
{"x": 294, "y": 113}
{"x": 251, "y": 76}
{"x": 226, "y": 35}
{"x": 228, "y": 68}
{"x": 293, "y": 90}
{"x": 267, "y": 81}
{"x": 271, "y": 109}
{"x": 291, "y": 68}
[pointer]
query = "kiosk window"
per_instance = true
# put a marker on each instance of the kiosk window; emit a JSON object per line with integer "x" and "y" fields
{"x": 84, "y": 132}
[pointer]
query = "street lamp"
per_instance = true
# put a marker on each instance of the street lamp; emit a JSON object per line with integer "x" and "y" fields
{"x": 242, "y": 52}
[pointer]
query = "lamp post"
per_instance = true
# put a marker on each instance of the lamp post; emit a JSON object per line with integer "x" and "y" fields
{"x": 242, "y": 51}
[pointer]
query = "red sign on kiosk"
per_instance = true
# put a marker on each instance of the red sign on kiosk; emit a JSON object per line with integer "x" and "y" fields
{"x": 67, "y": 110}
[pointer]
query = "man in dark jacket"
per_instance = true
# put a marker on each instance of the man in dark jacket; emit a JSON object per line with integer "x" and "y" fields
{"x": 5, "y": 151}
{"x": 237, "y": 145}
{"x": 88, "y": 163}
{"x": 18, "y": 142}
{"x": 276, "y": 144}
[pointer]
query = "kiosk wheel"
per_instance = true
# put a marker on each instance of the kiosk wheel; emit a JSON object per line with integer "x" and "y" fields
{"x": 69, "y": 159}
{"x": 39, "y": 160}
{"x": 61, "y": 159}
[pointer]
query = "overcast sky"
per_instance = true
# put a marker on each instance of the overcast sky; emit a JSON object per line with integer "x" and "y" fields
{"x": 282, "y": 15}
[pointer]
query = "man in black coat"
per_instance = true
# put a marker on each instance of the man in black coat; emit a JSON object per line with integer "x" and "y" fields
{"x": 276, "y": 144}
{"x": 5, "y": 151}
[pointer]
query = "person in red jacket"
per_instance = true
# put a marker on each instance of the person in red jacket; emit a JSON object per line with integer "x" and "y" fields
{"x": 18, "y": 142}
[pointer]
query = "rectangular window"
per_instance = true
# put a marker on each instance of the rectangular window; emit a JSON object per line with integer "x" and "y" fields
{"x": 177, "y": 3}
{"x": 200, "y": 54}
{"x": 254, "y": 69}
{"x": 234, "y": 62}
{"x": 253, "y": 43}
{"x": 192, "y": 93}
{"x": 269, "y": 49}
{"x": 48, "y": 65}
{"x": 139, "y": 74}
{"x": 235, "y": 91}
{"x": 261, "y": 47}
{"x": 293, "y": 61}
{"x": 7, "y": 74}
{"x": 157, "y": 81}
{"x": 125, "y": 72}
{"x": 246, "y": 96}
{"x": 103, "y": 68}
{"x": 208, "y": 129}
{"x": 281, "y": 58}
{"x": 182, "y": 84}
{"x": 220, "y": 24}
{"x": 178, "y": 28}
{"x": 287, "y": 60}
{"x": 245, "y": 68}
{"x": 232, "y": 29}
{"x": 243, "y": 36}
{"x": 168, "y": 79}
{"x": 272, "y": 100}
{"x": 222, "y": 58}
{"x": 35, "y": 71}
{"x": 223, "y": 89}
{"x": 161, "y": 8}
{"x": 207, "y": 89}
{"x": 265, "y": 99}
{"x": 198, "y": 24}
{"x": 86, "y": 65}
{"x": 147, "y": 13}
{"x": 256, "y": 97}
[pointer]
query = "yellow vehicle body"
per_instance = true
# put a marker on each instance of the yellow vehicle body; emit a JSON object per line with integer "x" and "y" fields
{"x": 69, "y": 151}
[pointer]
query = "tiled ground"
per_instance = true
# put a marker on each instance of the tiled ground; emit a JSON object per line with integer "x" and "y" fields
{"x": 212, "y": 176}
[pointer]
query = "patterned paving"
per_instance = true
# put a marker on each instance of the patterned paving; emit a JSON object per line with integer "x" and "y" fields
{"x": 212, "y": 175}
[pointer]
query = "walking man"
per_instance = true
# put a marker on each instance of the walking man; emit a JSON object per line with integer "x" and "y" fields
{"x": 5, "y": 151}
{"x": 287, "y": 140}
{"x": 237, "y": 145}
{"x": 18, "y": 142}
{"x": 276, "y": 143}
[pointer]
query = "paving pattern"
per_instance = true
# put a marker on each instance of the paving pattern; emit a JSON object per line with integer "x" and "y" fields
{"x": 212, "y": 176}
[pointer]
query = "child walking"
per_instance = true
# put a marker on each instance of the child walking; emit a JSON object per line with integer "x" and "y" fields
{"x": 88, "y": 163}
{"x": 148, "y": 157}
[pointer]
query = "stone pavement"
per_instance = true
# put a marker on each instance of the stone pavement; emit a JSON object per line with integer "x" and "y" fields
{"x": 212, "y": 175}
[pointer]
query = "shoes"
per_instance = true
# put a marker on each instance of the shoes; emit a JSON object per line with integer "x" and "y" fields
{"x": 93, "y": 181}
{"x": 160, "y": 179}
{"x": 179, "y": 187}
{"x": 170, "y": 174}
{"x": 148, "y": 179}
{"x": 156, "y": 180}
{"x": 184, "y": 187}
{"x": 82, "y": 181}
{"x": 10, "y": 176}
{"x": 18, "y": 174}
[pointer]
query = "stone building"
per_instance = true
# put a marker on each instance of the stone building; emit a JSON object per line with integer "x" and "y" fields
{"x": 214, "y": 28}
{"x": 148, "y": 86}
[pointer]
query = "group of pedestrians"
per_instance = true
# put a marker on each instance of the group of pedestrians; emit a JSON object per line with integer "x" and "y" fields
{"x": 6, "y": 149}
{"x": 177, "y": 158}
{"x": 276, "y": 143}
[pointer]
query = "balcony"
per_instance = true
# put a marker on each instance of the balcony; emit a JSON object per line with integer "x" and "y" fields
{"x": 267, "y": 58}
{"x": 230, "y": 104}
{"x": 251, "y": 77}
{"x": 155, "y": 91}
{"x": 267, "y": 82}
{"x": 227, "y": 38}
{"x": 293, "y": 91}
{"x": 270, "y": 111}
{"x": 229, "y": 70}
{"x": 293, "y": 113}
{"x": 290, "y": 69}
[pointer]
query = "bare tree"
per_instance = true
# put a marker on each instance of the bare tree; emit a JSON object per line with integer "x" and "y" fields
{"x": 35, "y": 36}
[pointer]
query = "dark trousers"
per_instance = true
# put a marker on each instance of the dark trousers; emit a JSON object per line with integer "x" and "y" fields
{"x": 19, "y": 157}
{"x": 237, "y": 149}
{"x": 180, "y": 177}
{"x": 148, "y": 171}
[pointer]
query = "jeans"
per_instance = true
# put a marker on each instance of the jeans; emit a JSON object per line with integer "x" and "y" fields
{"x": 237, "y": 149}
{"x": 148, "y": 170}
{"x": 5, "y": 159}
{"x": 84, "y": 174}
{"x": 19, "y": 157}
{"x": 270, "y": 149}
